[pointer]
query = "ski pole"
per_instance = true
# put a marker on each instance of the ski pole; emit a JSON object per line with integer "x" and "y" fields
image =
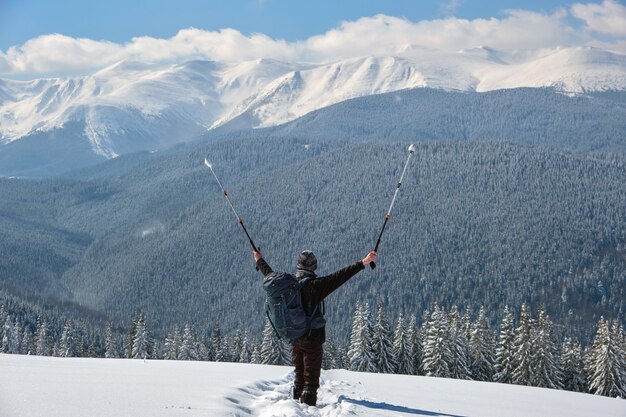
{"x": 239, "y": 219}
{"x": 393, "y": 200}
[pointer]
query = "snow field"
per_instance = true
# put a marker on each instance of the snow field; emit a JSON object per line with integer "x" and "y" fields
{"x": 77, "y": 387}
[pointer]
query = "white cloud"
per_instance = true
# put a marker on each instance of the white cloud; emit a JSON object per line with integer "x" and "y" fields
{"x": 376, "y": 35}
{"x": 608, "y": 17}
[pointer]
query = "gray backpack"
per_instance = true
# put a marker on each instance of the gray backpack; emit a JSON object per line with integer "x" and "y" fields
{"x": 283, "y": 306}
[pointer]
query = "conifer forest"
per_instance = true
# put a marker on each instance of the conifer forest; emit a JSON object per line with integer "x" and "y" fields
{"x": 504, "y": 259}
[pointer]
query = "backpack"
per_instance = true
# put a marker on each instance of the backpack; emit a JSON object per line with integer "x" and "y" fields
{"x": 283, "y": 306}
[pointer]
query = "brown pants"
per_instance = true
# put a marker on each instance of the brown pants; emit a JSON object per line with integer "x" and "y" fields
{"x": 307, "y": 359}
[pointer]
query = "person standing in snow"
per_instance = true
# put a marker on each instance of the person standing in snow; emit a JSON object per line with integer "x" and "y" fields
{"x": 307, "y": 351}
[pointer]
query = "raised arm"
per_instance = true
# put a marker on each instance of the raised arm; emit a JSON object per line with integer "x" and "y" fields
{"x": 261, "y": 265}
{"x": 326, "y": 285}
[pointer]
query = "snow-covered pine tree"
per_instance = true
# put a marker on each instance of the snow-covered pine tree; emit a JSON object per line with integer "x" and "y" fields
{"x": 26, "y": 347}
{"x": 383, "y": 345}
{"x": 141, "y": 340}
{"x": 572, "y": 366}
{"x": 224, "y": 353}
{"x": 606, "y": 361}
{"x": 110, "y": 342}
{"x": 172, "y": 344}
{"x": 202, "y": 348}
{"x": 466, "y": 323}
{"x": 255, "y": 356}
{"x": 505, "y": 351}
{"x": 235, "y": 351}
{"x": 545, "y": 354}
{"x": 402, "y": 348}
{"x": 415, "y": 347}
{"x": 216, "y": 344}
{"x": 42, "y": 344}
{"x": 17, "y": 330}
{"x": 437, "y": 347}
{"x": 481, "y": 346}
{"x": 128, "y": 340}
{"x": 187, "y": 351}
{"x": 3, "y": 318}
{"x": 522, "y": 359}
{"x": 68, "y": 343}
{"x": 329, "y": 354}
{"x": 272, "y": 348}
{"x": 245, "y": 353}
{"x": 460, "y": 365}
{"x": 360, "y": 353}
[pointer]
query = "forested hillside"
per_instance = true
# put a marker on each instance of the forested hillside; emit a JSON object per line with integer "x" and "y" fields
{"x": 488, "y": 223}
{"x": 540, "y": 116}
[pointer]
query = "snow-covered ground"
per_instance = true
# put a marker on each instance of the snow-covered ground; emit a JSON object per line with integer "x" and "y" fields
{"x": 45, "y": 386}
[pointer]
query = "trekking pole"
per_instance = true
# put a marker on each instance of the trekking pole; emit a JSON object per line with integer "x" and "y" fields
{"x": 393, "y": 200}
{"x": 239, "y": 219}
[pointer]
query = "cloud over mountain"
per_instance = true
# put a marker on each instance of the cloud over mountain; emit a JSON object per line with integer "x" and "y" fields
{"x": 582, "y": 24}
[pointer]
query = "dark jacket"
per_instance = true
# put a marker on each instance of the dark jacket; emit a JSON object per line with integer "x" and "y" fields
{"x": 314, "y": 291}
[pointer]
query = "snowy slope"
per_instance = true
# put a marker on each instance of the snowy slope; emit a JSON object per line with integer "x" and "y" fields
{"x": 43, "y": 386}
{"x": 134, "y": 106}
{"x": 132, "y": 98}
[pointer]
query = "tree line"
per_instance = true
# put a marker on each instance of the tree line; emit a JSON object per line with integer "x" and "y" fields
{"x": 525, "y": 350}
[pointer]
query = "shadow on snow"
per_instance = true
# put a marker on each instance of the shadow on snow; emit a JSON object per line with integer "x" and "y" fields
{"x": 397, "y": 408}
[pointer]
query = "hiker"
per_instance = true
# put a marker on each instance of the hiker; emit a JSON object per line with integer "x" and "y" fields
{"x": 307, "y": 351}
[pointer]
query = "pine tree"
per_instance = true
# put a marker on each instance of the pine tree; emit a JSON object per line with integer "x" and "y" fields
{"x": 383, "y": 346}
{"x": 330, "y": 351}
{"x": 255, "y": 356}
{"x": 235, "y": 352}
{"x": 17, "y": 331}
{"x": 573, "y": 366}
{"x": 459, "y": 367}
{"x": 606, "y": 361}
{"x": 224, "y": 353}
{"x": 505, "y": 352}
{"x": 10, "y": 341}
{"x": 415, "y": 347}
{"x": 466, "y": 323}
{"x": 273, "y": 351}
{"x": 246, "y": 353}
{"x": 187, "y": 350}
{"x": 402, "y": 348}
{"x": 42, "y": 346}
{"x": 522, "y": 362}
{"x": 481, "y": 346}
{"x": 110, "y": 342}
{"x": 141, "y": 339}
{"x": 437, "y": 347}
{"x": 129, "y": 339}
{"x": 68, "y": 343}
{"x": 202, "y": 350}
{"x": 172, "y": 344}
{"x": 544, "y": 355}
{"x": 360, "y": 353}
{"x": 216, "y": 345}
{"x": 3, "y": 318}
{"x": 27, "y": 342}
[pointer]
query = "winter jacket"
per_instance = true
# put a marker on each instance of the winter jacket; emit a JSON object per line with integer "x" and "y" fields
{"x": 314, "y": 291}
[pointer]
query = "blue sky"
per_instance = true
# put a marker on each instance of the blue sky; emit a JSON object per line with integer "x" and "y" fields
{"x": 121, "y": 20}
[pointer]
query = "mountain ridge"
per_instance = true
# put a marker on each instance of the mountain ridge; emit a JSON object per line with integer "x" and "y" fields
{"x": 175, "y": 102}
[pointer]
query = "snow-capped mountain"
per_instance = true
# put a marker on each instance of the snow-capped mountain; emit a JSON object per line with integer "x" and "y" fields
{"x": 131, "y": 99}
{"x": 134, "y": 106}
{"x": 572, "y": 70}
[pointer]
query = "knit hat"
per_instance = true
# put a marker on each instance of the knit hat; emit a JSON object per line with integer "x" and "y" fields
{"x": 307, "y": 261}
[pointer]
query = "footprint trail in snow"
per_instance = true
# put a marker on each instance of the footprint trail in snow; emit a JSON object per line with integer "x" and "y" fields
{"x": 273, "y": 399}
